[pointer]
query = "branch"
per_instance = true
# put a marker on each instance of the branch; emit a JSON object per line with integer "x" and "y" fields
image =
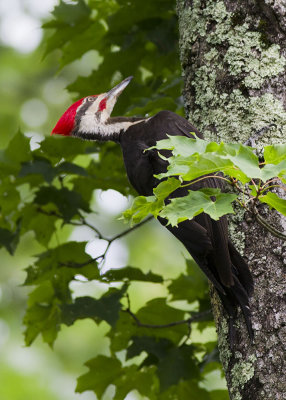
{"x": 197, "y": 317}
{"x": 110, "y": 241}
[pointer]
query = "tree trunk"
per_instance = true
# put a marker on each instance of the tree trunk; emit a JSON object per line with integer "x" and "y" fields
{"x": 232, "y": 55}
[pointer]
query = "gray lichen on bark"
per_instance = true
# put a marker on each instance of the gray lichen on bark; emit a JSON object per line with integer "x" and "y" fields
{"x": 233, "y": 57}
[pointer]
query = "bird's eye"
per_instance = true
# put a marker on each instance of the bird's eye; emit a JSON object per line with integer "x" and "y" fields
{"x": 90, "y": 98}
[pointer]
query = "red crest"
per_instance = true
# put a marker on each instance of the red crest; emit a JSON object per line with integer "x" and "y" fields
{"x": 65, "y": 124}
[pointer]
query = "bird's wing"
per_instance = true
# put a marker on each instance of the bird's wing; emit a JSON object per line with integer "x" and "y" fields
{"x": 205, "y": 239}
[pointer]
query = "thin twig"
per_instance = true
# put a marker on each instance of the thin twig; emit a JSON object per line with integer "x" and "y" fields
{"x": 267, "y": 226}
{"x": 270, "y": 181}
{"x": 131, "y": 229}
{"x": 87, "y": 224}
{"x": 110, "y": 241}
{"x": 254, "y": 184}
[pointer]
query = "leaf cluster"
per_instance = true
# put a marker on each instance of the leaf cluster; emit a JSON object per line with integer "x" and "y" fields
{"x": 196, "y": 161}
{"x": 49, "y": 192}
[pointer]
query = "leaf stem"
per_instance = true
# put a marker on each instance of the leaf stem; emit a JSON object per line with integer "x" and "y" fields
{"x": 271, "y": 187}
{"x": 267, "y": 226}
{"x": 207, "y": 177}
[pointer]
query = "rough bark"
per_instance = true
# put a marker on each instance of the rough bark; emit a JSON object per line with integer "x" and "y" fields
{"x": 233, "y": 61}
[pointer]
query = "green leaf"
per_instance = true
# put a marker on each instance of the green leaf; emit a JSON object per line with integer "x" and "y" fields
{"x": 9, "y": 197}
{"x": 152, "y": 346}
{"x": 103, "y": 371}
{"x": 270, "y": 171}
{"x": 177, "y": 364}
{"x": 166, "y": 187}
{"x": 141, "y": 208}
{"x": 182, "y": 145}
{"x": 219, "y": 395}
{"x": 131, "y": 274}
{"x": 190, "y": 286}
{"x": 62, "y": 263}
{"x": 193, "y": 158}
{"x": 71, "y": 13}
{"x": 70, "y": 20}
{"x": 70, "y": 168}
{"x": 155, "y": 312}
{"x": 275, "y": 154}
{"x": 158, "y": 312}
{"x": 174, "y": 363}
{"x": 44, "y": 168}
{"x": 9, "y": 239}
{"x": 87, "y": 37}
{"x": 55, "y": 148}
{"x": 243, "y": 158}
{"x": 68, "y": 202}
{"x": 104, "y": 309}
{"x": 44, "y": 319}
{"x": 124, "y": 330}
{"x": 52, "y": 273}
{"x": 42, "y": 225}
{"x": 274, "y": 201}
{"x": 18, "y": 149}
{"x": 41, "y": 167}
{"x": 186, "y": 390}
{"x": 196, "y": 202}
{"x": 143, "y": 380}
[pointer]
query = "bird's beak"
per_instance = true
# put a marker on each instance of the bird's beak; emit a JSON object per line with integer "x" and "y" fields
{"x": 118, "y": 89}
{"x": 113, "y": 94}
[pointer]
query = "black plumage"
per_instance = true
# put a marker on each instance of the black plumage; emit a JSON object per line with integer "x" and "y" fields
{"x": 205, "y": 239}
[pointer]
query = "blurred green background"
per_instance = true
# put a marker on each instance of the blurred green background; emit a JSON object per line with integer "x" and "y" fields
{"x": 32, "y": 97}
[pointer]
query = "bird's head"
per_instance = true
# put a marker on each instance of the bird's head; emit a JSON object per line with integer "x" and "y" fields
{"x": 89, "y": 117}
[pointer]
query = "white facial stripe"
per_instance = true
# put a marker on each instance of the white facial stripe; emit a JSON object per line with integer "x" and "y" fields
{"x": 90, "y": 124}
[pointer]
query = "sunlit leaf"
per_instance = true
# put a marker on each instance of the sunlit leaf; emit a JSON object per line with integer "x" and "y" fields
{"x": 274, "y": 201}
{"x": 195, "y": 202}
{"x": 274, "y": 154}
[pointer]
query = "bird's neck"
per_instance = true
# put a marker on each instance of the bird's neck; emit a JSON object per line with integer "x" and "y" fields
{"x": 111, "y": 129}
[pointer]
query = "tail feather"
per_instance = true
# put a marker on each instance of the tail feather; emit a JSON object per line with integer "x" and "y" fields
{"x": 241, "y": 269}
{"x": 236, "y": 296}
{"x": 242, "y": 298}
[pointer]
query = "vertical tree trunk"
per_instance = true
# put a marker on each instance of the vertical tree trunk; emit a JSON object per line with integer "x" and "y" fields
{"x": 233, "y": 61}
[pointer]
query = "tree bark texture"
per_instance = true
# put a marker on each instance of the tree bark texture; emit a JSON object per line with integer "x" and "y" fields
{"x": 233, "y": 56}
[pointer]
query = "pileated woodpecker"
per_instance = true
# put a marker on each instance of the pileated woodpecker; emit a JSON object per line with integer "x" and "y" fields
{"x": 206, "y": 240}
